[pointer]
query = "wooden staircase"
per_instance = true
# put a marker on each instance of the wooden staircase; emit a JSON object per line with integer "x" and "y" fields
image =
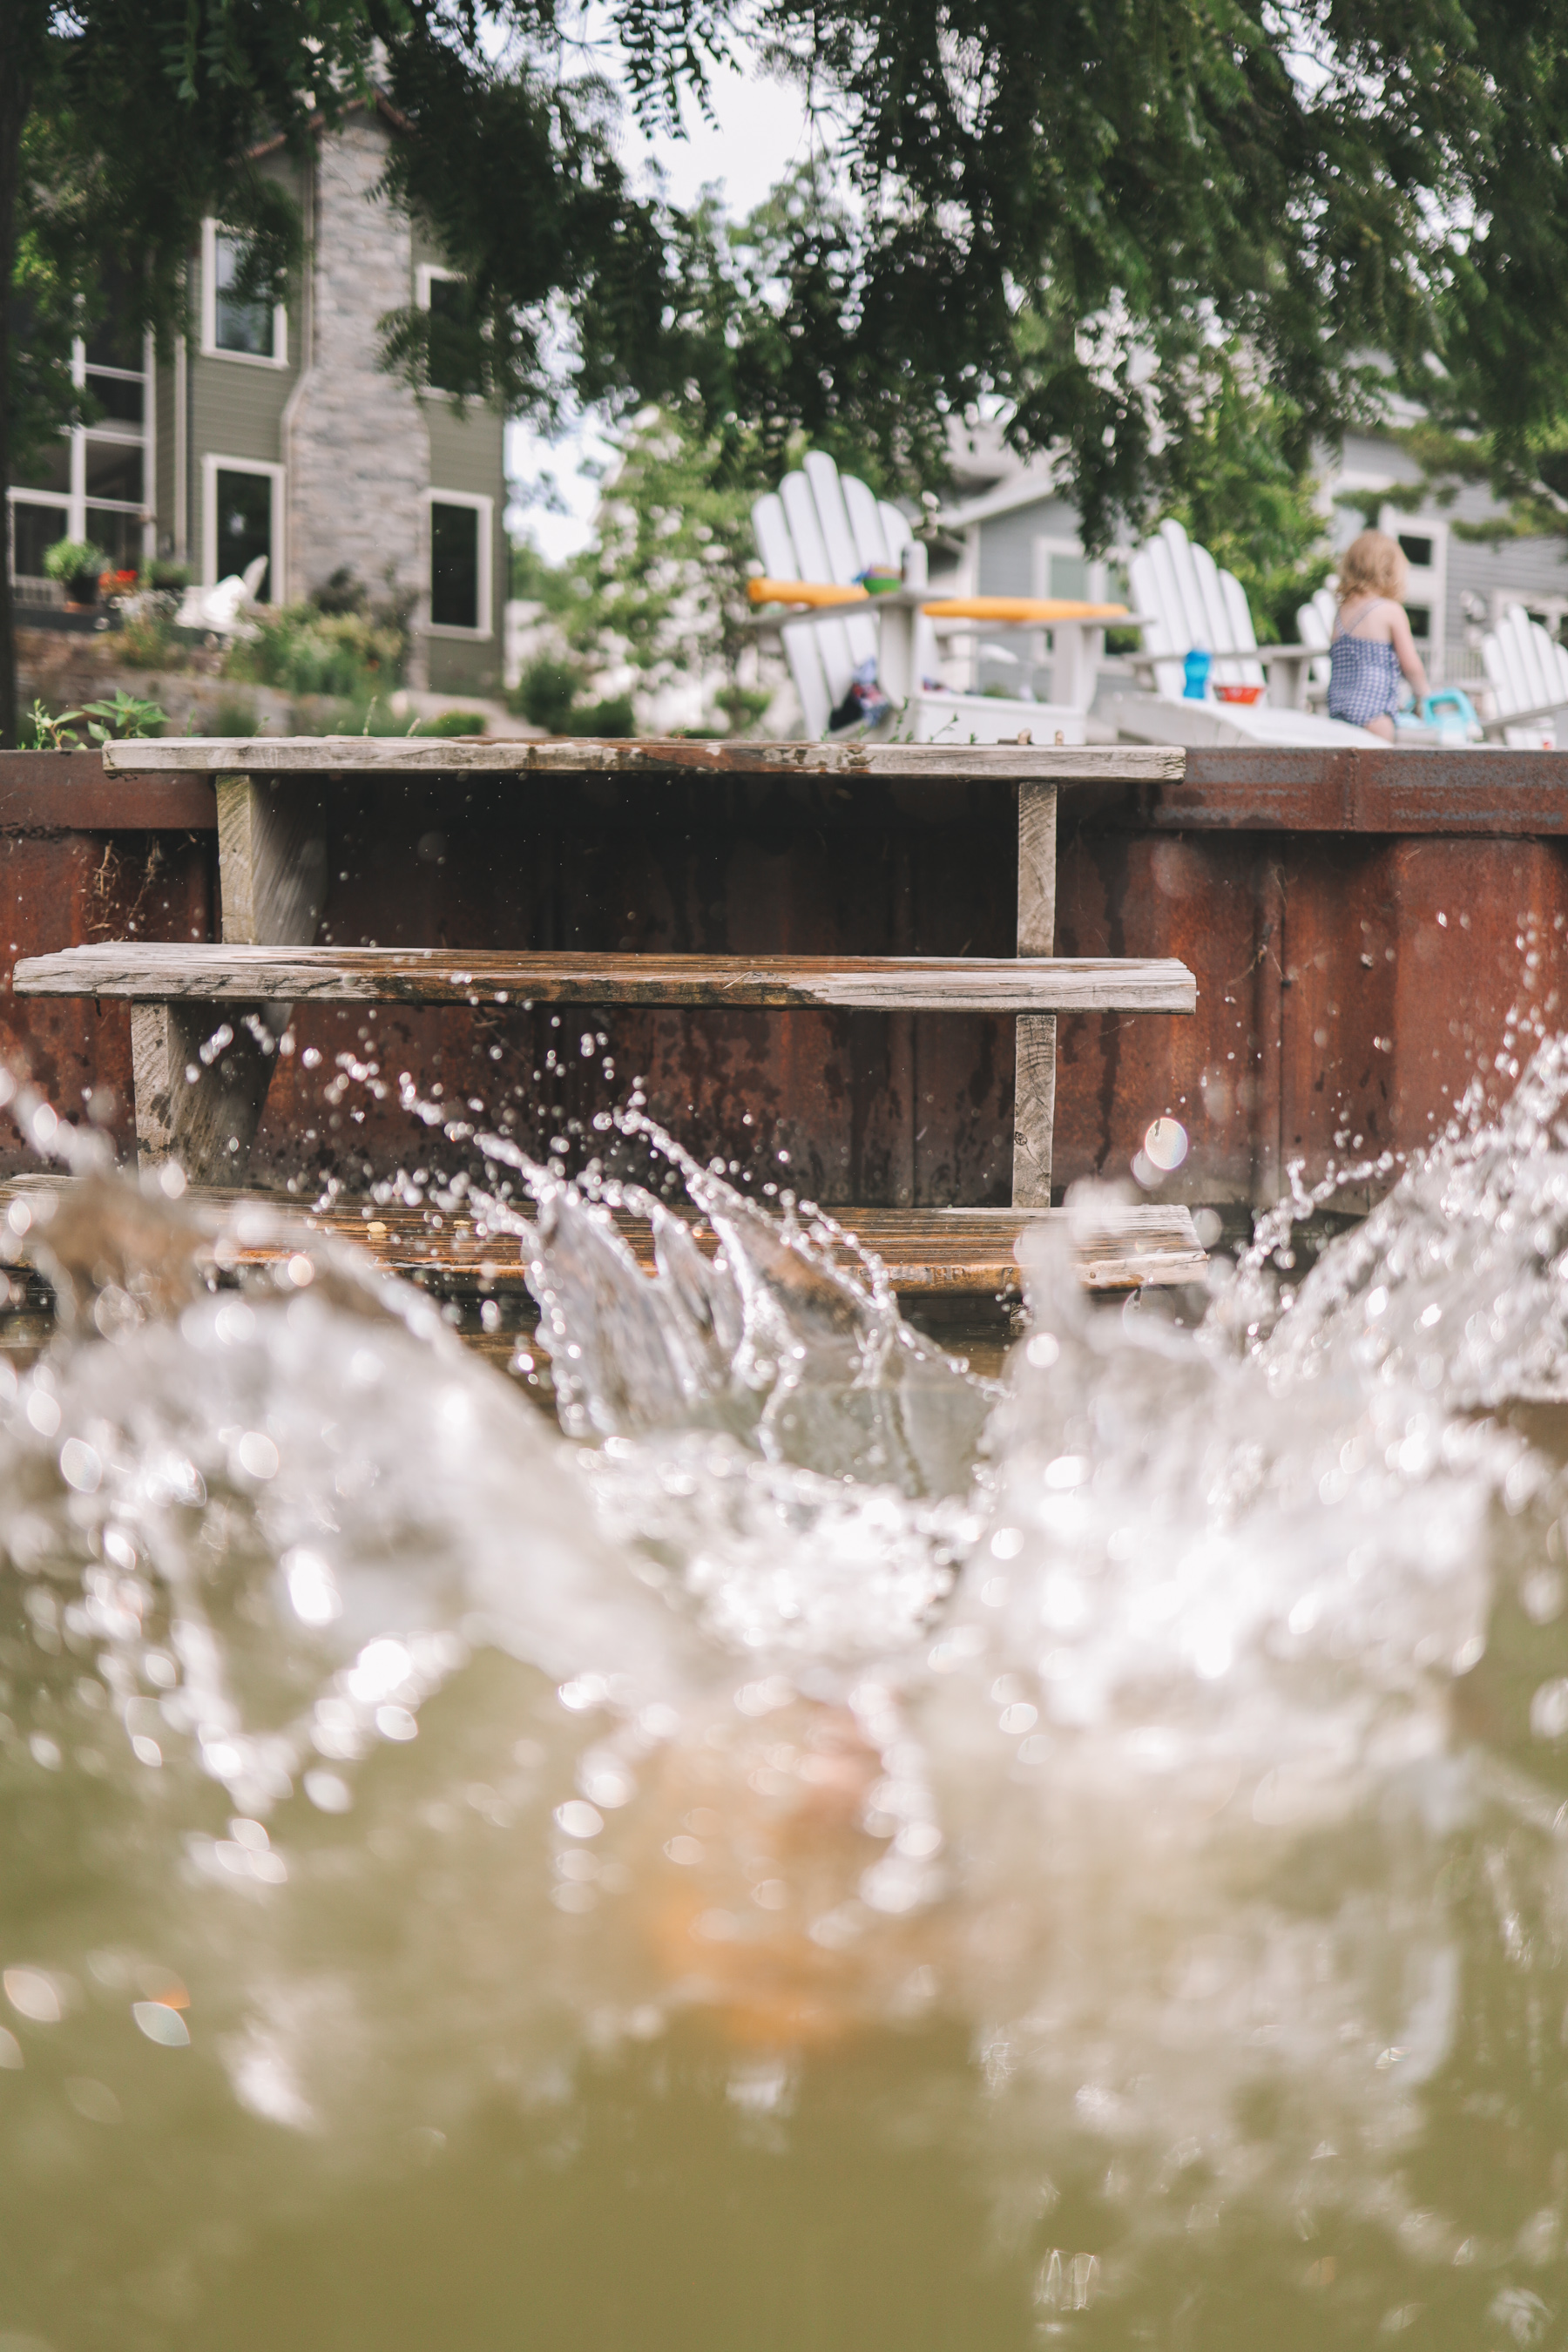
{"x": 207, "y": 1017}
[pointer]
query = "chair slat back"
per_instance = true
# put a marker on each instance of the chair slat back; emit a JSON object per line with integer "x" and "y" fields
{"x": 780, "y": 559}
{"x": 838, "y": 538}
{"x": 832, "y": 637}
{"x": 1239, "y": 630}
{"x": 1154, "y": 591}
{"x": 1513, "y": 689}
{"x": 1538, "y": 682}
{"x": 865, "y": 523}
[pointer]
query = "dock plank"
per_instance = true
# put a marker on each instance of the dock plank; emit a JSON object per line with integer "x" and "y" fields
{"x": 226, "y": 974}
{"x": 391, "y": 756}
{"x": 927, "y": 1252}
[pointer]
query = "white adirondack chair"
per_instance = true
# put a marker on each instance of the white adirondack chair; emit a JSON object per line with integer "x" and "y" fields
{"x": 1193, "y": 604}
{"x": 1315, "y": 627}
{"x": 222, "y": 609}
{"x": 1528, "y": 672}
{"x": 825, "y": 528}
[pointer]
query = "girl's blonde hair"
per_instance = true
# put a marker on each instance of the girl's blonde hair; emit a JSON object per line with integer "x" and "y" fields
{"x": 1373, "y": 565}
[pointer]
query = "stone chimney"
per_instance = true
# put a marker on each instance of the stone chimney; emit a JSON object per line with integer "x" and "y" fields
{"x": 355, "y": 445}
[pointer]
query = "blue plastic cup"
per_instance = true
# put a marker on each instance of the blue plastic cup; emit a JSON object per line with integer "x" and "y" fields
{"x": 1198, "y": 666}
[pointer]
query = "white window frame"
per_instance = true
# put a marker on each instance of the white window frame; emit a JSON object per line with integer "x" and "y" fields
{"x": 485, "y": 509}
{"x": 212, "y": 466}
{"x": 73, "y": 503}
{"x": 211, "y": 230}
{"x": 1429, "y": 582}
{"x": 427, "y": 275}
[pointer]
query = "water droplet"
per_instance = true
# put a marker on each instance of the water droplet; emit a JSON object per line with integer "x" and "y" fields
{"x": 161, "y": 2024}
{"x": 34, "y": 1995}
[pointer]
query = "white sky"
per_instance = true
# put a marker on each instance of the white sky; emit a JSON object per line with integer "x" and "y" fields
{"x": 760, "y": 131}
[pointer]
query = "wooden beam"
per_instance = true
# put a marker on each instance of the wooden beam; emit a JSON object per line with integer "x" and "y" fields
{"x": 272, "y": 860}
{"x": 367, "y": 755}
{"x": 241, "y": 975}
{"x": 1035, "y": 1047}
{"x": 195, "y": 1104}
{"x": 201, "y": 1076}
{"x": 945, "y": 1251}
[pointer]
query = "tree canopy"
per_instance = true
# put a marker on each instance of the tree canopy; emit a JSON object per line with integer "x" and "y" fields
{"x": 1060, "y": 207}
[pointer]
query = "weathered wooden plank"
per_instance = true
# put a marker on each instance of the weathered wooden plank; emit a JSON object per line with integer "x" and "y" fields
{"x": 238, "y": 975}
{"x": 368, "y": 755}
{"x": 932, "y": 1251}
{"x": 1035, "y": 1036}
{"x": 272, "y": 860}
{"x": 201, "y": 1080}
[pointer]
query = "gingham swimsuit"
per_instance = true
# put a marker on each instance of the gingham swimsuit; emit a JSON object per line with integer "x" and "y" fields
{"x": 1363, "y": 677}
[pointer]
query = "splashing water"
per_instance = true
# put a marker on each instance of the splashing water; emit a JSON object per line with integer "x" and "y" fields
{"x": 827, "y": 1851}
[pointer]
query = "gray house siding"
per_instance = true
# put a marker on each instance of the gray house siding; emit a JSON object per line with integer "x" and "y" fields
{"x": 359, "y": 453}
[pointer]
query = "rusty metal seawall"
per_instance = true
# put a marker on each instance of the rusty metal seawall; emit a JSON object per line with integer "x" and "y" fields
{"x": 1304, "y": 890}
{"x": 1362, "y": 926}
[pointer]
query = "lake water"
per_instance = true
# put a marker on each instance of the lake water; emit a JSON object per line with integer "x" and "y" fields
{"x": 823, "y": 1853}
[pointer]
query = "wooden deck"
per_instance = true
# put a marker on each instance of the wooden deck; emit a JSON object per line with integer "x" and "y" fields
{"x": 249, "y": 975}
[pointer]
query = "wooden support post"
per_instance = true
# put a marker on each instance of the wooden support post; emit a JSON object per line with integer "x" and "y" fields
{"x": 201, "y": 1077}
{"x": 200, "y": 1102}
{"x": 272, "y": 860}
{"x": 1035, "y": 1050}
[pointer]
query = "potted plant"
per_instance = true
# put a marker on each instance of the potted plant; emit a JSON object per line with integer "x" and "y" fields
{"x": 75, "y": 563}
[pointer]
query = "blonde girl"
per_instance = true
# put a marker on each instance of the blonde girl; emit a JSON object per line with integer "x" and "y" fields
{"x": 1371, "y": 641}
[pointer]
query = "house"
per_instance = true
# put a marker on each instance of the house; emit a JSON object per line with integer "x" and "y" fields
{"x": 1012, "y": 532}
{"x": 272, "y": 430}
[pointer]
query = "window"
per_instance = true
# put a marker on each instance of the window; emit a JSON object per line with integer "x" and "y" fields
{"x": 1417, "y": 550}
{"x": 453, "y": 356}
{"x": 460, "y": 563}
{"x": 114, "y": 469}
{"x": 34, "y": 530}
{"x": 238, "y": 322}
{"x": 94, "y": 482}
{"x": 242, "y": 515}
{"x": 49, "y": 468}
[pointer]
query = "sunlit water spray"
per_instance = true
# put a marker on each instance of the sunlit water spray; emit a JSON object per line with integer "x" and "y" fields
{"x": 828, "y": 1852}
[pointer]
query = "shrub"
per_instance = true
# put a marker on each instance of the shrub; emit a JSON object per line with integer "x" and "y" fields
{"x": 308, "y": 651}
{"x": 147, "y": 639}
{"x": 612, "y": 717}
{"x": 453, "y": 722}
{"x": 545, "y": 693}
{"x": 169, "y": 579}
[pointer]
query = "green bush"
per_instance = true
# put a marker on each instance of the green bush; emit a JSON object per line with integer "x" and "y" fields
{"x": 453, "y": 722}
{"x": 612, "y": 717}
{"x": 545, "y": 693}
{"x": 307, "y": 651}
{"x": 147, "y": 638}
{"x": 171, "y": 579}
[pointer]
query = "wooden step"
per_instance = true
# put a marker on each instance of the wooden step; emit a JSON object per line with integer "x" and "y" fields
{"x": 392, "y": 756}
{"x": 222, "y": 974}
{"x": 927, "y": 1252}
